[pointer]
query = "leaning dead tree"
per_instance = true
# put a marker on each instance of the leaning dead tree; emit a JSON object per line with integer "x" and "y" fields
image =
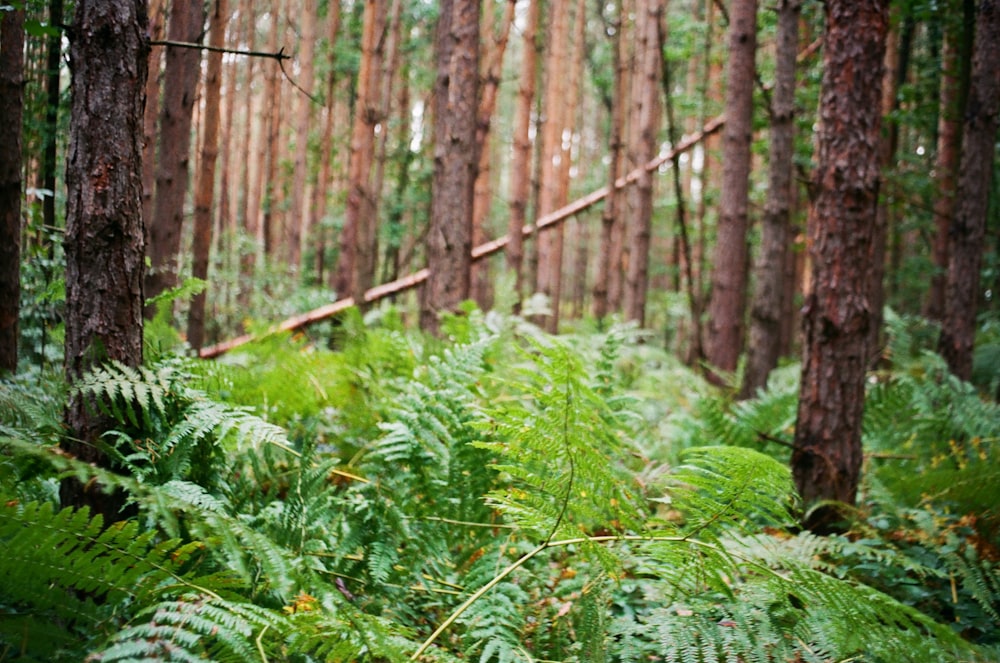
{"x": 478, "y": 253}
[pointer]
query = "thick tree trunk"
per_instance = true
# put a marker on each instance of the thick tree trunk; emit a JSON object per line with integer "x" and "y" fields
{"x": 180, "y": 83}
{"x": 826, "y": 461}
{"x": 968, "y": 228}
{"x": 727, "y": 306}
{"x": 104, "y": 233}
{"x": 12, "y": 110}
{"x": 449, "y": 238}
{"x": 765, "y": 318}
{"x": 361, "y": 208}
{"x": 205, "y": 187}
{"x": 520, "y": 169}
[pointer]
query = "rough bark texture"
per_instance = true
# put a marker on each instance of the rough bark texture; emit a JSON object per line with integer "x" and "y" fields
{"x": 727, "y": 306}
{"x": 12, "y": 110}
{"x": 449, "y": 238}
{"x": 181, "y": 73}
{"x": 520, "y": 170}
{"x": 157, "y": 20}
{"x": 967, "y": 234}
{"x": 764, "y": 345}
{"x": 826, "y": 461}
{"x": 104, "y": 233}
{"x": 356, "y": 253}
{"x": 646, "y": 116}
{"x": 609, "y": 214}
{"x": 201, "y": 243}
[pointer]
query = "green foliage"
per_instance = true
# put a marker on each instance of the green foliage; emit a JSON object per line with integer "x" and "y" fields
{"x": 488, "y": 499}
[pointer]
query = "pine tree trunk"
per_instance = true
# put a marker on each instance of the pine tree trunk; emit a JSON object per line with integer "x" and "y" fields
{"x": 104, "y": 234}
{"x": 727, "y": 306}
{"x": 205, "y": 185}
{"x": 826, "y": 461}
{"x": 321, "y": 193}
{"x": 765, "y": 319}
{"x": 645, "y": 123}
{"x": 12, "y": 109}
{"x": 968, "y": 228}
{"x": 53, "y": 90}
{"x": 361, "y": 206}
{"x": 298, "y": 218}
{"x": 449, "y": 238}
{"x": 151, "y": 114}
{"x": 520, "y": 169}
{"x": 180, "y": 83}
{"x": 610, "y": 262}
{"x": 949, "y": 142}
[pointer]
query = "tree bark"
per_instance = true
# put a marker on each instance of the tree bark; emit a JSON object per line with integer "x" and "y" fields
{"x": 298, "y": 219}
{"x": 967, "y": 234}
{"x": 608, "y": 262}
{"x": 12, "y": 109}
{"x": 205, "y": 186}
{"x": 361, "y": 207}
{"x": 449, "y": 238}
{"x": 53, "y": 91}
{"x": 727, "y": 305}
{"x": 180, "y": 83}
{"x": 826, "y": 461}
{"x": 151, "y": 114}
{"x": 520, "y": 169}
{"x": 769, "y": 276}
{"x": 104, "y": 234}
{"x": 645, "y": 124}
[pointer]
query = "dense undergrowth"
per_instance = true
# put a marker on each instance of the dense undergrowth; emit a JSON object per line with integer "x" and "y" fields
{"x": 503, "y": 496}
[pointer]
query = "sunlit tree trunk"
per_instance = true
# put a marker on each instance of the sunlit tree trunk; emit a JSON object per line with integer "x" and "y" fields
{"x": 12, "y": 109}
{"x": 609, "y": 261}
{"x": 104, "y": 234}
{"x": 356, "y": 260}
{"x": 968, "y": 227}
{"x": 449, "y": 238}
{"x": 180, "y": 83}
{"x": 205, "y": 183}
{"x": 826, "y": 461}
{"x": 520, "y": 169}
{"x": 769, "y": 273}
{"x": 727, "y": 306}
{"x": 298, "y": 218}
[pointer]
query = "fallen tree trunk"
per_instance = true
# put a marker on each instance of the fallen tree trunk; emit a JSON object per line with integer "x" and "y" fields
{"x": 478, "y": 253}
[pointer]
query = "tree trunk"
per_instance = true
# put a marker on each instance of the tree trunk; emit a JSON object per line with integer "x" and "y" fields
{"x": 826, "y": 461}
{"x": 151, "y": 114}
{"x": 645, "y": 123}
{"x": 12, "y": 109}
{"x": 482, "y": 285}
{"x": 180, "y": 83}
{"x": 520, "y": 169}
{"x": 549, "y": 242}
{"x": 321, "y": 193}
{"x": 449, "y": 238}
{"x": 765, "y": 318}
{"x": 968, "y": 228}
{"x": 297, "y": 222}
{"x": 104, "y": 234}
{"x": 53, "y": 91}
{"x": 727, "y": 306}
{"x": 949, "y": 142}
{"x": 610, "y": 262}
{"x": 205, "y": 188}
{"x": 361, "y": 206}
